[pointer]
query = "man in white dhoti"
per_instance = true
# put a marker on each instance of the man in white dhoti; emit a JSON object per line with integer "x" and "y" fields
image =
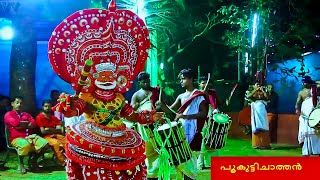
{"x": 192, "y": 114}
{"x": 308, "y": 136}
{"x": 259, "y": 120}
{"x": 145, "y": 99}
{"x": 303, "y": 95}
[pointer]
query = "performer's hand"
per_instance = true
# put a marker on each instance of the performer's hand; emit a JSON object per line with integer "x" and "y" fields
{"x": 298, "y": 112}
{"x": 227, "y": 102}
{"x": 180, "y": 116}
{"x": 64, "y": 103}
{"x": 158, "y": 117}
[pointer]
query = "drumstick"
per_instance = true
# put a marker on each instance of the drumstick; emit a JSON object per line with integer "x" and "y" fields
{"x": 232, "y": 91}
{"x": 205, "y": 87}
{"x": 160, "y": 99}
{"x": 84, "y": 75}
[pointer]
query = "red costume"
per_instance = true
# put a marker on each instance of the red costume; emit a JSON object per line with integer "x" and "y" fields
{"x": 116, "y": 42}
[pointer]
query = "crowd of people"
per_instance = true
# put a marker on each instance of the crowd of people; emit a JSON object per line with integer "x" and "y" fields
{"x": 33, "y": 136}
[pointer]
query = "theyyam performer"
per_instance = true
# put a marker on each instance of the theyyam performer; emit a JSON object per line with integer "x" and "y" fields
{"x": 100, "y": 52}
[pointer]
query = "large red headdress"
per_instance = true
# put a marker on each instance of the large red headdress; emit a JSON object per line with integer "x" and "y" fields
{"x": 116, "y": 40}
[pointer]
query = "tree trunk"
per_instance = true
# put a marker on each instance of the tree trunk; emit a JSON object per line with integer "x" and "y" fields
{"x": 23, "y": 60}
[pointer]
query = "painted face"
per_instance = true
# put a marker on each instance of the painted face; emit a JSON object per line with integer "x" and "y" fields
{"x": 106, "y": 80}
{"x": 185, "y": 82}
{"x": 145, "y": 83}
{"x": 17, "y": 104}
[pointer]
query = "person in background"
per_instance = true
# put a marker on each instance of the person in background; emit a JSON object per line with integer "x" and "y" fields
{"x": 192, "y": 113}
{"x": 4, "y": 108}
{"x": 204, "y": 160}
{"x": 145, "y": 99}
{"x": 272, "y": 110}
{"x": 259, "y": 120}
{"x": 54, "y": 95}
{"x": 52, "y": 131}
{"x": 20, "y": 125}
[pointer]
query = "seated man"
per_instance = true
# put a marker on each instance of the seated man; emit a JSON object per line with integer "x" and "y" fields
{"x": 52, "y": 131}
{"x": 20, "y": 125}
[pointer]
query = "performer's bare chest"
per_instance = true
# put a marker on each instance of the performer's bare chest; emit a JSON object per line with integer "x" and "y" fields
{"x": 184, "y": 97}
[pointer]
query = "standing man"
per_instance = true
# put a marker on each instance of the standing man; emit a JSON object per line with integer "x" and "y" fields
{"x": 259, "y": 119}
{"x": 304, "y": 94}
{"x": 145, "y": 99}
{"x": 20, "y": 124}
{"x": 192, "y": 113}
{"x": 204, "y": 160}
{"x": 309, "y": 137}
{"x": 52, "y": 131}
{"x": 272, "y": 110}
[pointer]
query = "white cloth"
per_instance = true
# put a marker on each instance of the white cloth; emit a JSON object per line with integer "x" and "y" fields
{"x": 190, "y": 125}
{"x": 59, "y": 115}
{"x": 306, "y": 134}
{"x": 70, "y": 121}
{"x": 259, "y": 117}
{"x": 189, "y": 168}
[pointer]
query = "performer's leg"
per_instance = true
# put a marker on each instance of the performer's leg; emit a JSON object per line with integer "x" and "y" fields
{"x": 261, "y": 140}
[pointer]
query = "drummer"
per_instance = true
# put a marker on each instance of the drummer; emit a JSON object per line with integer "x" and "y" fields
{"x": 308, "y": 137}
{"x": 204, "y": 160}
{"x": 192, "y": 114}
{"x": 145, "y": 99}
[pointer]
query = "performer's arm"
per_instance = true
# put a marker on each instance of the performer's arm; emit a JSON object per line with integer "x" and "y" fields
{"x": 250, "y": 94}
{"x": 202, "y": 114}
{"x": 298, "y": 103}
{"x": 70, "y": 106}
{"x": 134, "y": 101}
{"x": 177, "y": 103}
{"x": 143, "y": 117}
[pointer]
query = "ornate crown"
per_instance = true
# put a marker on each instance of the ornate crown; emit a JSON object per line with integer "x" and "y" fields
{"x": 105, "y": 67}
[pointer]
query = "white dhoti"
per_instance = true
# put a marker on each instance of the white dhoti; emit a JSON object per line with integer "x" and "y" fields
{"x": 189, "y": 168}
{"x": 259, "y": 117}
{"x": 307, "y": 135}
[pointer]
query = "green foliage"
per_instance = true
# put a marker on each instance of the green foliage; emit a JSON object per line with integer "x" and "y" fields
{"x": 287, "y": 35}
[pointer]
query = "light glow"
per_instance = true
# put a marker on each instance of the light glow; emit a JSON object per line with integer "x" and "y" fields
{"x": 254, "y": 29}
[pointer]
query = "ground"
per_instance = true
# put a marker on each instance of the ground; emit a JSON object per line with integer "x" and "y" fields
{"x": 234, "y": 147}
